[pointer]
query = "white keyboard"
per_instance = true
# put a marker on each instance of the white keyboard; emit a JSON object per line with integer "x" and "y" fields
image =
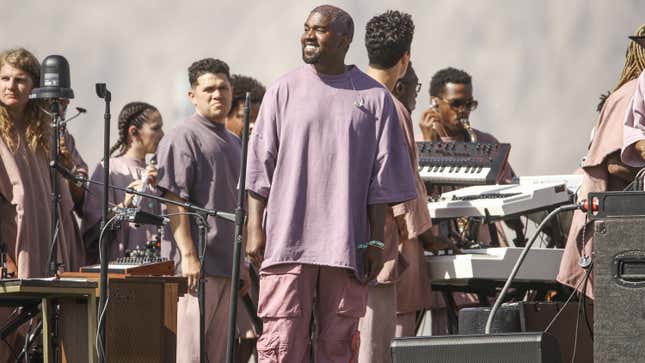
{"x": 498, "y": 200}
{"x": 468, "y": 175}
{"x": 540, "y": 265}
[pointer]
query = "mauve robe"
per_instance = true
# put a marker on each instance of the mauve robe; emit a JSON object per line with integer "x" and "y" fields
{"x": 607, "y": 139}
{"x": 413, "y": 286}
{"x": 634, "y": 125}
{"x": 123, "y": 171}
{"x": 25, "y": 213}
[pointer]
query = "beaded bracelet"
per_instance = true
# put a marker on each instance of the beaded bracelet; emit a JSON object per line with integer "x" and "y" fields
{"x": 373, "y": 243}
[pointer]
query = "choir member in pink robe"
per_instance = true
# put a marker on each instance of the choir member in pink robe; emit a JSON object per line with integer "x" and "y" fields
{"x": 25, "y": 187}
{"x": 140, "y": 129}
{"x": 325, "y": 158}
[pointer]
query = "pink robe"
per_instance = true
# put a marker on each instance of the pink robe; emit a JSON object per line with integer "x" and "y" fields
{"x": 608, "y": 139}
{"x": 123, "y": 171}
{"x": 25, "y": 213}
{"x": 413, "y": 287}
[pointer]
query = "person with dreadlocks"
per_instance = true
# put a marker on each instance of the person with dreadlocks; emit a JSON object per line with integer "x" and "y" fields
{"x": 235, "y": 118}
{"x": 25, "y": 219}
{"x": 326, "y": 157}
{"x": 602, "y": 170}
{"x": 634, "y": 131}
{"x": 140, "y": 129}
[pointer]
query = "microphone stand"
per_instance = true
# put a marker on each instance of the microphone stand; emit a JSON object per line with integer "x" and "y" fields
{"x": 105, "y": 94}
{"x": 55, "y": 145}
{"x": 240, "y": 215}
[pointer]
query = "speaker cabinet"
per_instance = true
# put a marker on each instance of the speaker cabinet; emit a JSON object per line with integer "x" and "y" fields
{"x": 493, "y": 348}
{"x": 619, "y": 289}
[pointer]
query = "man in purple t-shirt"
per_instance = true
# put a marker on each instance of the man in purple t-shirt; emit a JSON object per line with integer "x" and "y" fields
{"x": 199, "y": 162}
{"x": 326, "y": 157}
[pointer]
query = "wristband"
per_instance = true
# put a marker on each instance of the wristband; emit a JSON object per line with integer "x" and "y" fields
{"x": 373, "y": 243}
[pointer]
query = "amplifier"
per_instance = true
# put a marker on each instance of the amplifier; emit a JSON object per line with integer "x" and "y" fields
{"x": 619, "y": 284}
{"x": 493, "y": 348}
{"x": 461, "y": 163}
{"x": 535, "y": 317}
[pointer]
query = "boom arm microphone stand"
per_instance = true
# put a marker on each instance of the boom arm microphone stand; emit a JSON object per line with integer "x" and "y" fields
{"x": 239, "y": 225}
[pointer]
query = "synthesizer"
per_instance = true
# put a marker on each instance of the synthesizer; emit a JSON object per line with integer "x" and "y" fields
{"x": 461, "y": 163}
{"x": 498, "y": 201}
{"x": 540, "y": 265}
{"x": 572, "y": 181}
{"x": 136, "y": 266}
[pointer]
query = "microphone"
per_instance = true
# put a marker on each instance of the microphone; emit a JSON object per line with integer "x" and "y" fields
{"x": 151, "y": 160}
{"x": 54, "y": 79}
{"x": 66, "y": 173}
{"x": 138, "y": 216}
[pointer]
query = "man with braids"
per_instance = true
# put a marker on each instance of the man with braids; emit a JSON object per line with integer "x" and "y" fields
{"x": 199, "y": 162}
{"x": 140, "y": 129}
{"x": 25, "y": 217}
{"x": 602, "y": 168}
{"x": 388, "y": 38}
{"x": 241, "y": 85}
{"x": 326, "y": 157}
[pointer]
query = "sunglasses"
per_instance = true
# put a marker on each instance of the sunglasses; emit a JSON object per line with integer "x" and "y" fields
{"x": 468, "y": 105}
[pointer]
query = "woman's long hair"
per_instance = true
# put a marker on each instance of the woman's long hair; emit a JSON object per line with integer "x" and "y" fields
{"x": 37, "y": 121}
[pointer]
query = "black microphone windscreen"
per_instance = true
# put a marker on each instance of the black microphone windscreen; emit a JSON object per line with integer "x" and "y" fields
{"x": 81, "y": 109}
{"x": 54, "y": 79}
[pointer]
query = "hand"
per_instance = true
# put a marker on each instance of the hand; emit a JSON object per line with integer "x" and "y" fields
{"x": 152, "y": 175}
{"x": 127, "y": 202}
{"x": 255, "y": 243}
{"x": 640, "y": 147}
{"x": 373, "y": 262}
{"x": 434, "y": 243}
{"x": 65, "y": 153}
{"x": 190, "y": 268}
{"x": 431, "y": 124}
{"x": 245, "y": 277}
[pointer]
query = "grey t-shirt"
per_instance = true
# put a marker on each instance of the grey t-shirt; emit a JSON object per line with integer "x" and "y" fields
{"x": 200, "y": 162}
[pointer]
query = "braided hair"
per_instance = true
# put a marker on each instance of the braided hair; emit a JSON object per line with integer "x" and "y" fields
{"x": 133, "y": 114}
{"x": 634, "y": 65}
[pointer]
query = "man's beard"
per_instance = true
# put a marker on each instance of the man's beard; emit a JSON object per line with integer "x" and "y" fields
{"x": 314, "y": 59}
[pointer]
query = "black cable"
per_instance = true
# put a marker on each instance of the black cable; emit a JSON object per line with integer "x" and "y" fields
{"x": 584, "y": 302}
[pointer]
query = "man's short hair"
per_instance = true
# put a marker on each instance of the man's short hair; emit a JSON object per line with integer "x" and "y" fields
{"x": 206, "y": 65}
{"x": 448, "y": 75}
{"x": 242, "y": 84}
{"x": 339, "y": 17}
{"x": 388, "y": 37}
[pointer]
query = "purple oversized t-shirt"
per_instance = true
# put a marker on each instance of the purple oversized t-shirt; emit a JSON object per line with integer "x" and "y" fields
{"x": 200, "y": 162}
{"x": 323, "y": 148}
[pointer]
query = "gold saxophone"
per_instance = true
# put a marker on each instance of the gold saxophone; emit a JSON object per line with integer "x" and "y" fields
{"x": 464, "y": 224}
{"x": 466, "y": 125}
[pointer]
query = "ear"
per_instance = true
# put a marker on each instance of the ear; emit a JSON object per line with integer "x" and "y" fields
{"x": 191, "y": 95}
{"x": 398, "y": 87}
{"x": 132, "y": 132}
{"x": 433, "y": 101}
